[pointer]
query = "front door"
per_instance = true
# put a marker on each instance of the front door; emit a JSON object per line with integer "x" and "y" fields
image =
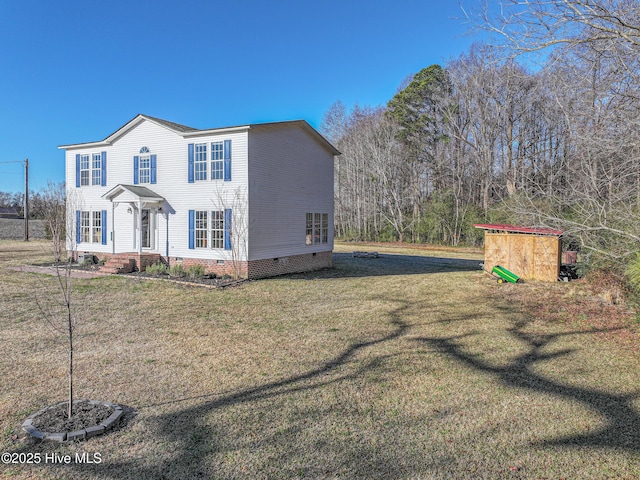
{"x": 146, "y": 228}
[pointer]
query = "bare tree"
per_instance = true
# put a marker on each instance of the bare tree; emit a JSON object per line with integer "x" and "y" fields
{"x": 52, "y": 201}
{"x": 232, "y": 211}
{"x": 534, "y": 25}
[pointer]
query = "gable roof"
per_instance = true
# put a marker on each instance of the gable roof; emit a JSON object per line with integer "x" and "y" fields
{"x": 138, "y": 191}
{"x": 186, "y": 131}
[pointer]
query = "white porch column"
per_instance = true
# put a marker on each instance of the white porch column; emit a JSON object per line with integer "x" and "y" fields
{"x": 139, "y": 227}
{"x": 113, "y": 227}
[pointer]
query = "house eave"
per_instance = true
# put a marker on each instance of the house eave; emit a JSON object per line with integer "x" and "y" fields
{"x": 188, "y": 132}
{"x": 214, "y": 131}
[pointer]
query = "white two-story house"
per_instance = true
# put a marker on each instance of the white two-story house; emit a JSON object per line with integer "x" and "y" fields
{"x": 251, "y": 200}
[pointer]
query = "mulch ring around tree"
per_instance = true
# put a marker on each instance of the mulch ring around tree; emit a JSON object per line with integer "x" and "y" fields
{"x": 90, "y": 418}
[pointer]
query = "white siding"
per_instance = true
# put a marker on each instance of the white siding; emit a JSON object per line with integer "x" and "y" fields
{"x": 290, "y": 174}
{"x": 172, "y": 184}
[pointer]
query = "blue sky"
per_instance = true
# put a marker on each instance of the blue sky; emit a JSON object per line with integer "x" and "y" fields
{"x": 76, "y": 71}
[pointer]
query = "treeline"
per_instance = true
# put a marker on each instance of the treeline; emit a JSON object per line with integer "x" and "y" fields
{"x": 488, "y": 138}
{"x": 41, "y": 202}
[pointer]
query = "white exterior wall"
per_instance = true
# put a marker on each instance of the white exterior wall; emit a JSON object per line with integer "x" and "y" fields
{"x": 171, "y": 149}
{"x": 290, "y": 175}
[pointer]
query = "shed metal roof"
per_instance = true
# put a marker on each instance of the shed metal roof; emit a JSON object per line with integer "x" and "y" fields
{"x": 502, "y": 227}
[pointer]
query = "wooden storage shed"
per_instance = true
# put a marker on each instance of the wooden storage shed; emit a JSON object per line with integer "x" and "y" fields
{"x": 532, "y": 253}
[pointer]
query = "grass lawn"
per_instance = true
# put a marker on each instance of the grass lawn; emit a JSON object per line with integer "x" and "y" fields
{"x": 414, "y": 365}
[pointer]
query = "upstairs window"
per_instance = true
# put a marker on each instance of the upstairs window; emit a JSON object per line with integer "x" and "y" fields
{"x": 200, "y": 161}
{"x": 220, "y": 160}
{"x": 96, "y": 169}
{"x": 217, "y": 161}
{"x": 85, "y": 170}
{"x": 144, "y": 167}
{"x": 91, "y": 169}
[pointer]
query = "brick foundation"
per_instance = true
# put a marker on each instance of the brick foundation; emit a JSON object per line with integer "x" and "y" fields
{"x": 219, "y": 267}
{"x": 269, "y": 267}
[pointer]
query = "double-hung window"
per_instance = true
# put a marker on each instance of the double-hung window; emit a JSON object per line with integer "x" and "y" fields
{"x": 91, "y": 169}
{"x": 96, "y": 227}
{"x": 85, "y": 170}
{"x": 91, "y": 226}
{"x": 96, "y": 169}
{"x": 210, "y": 229}
{"x": 200, "y": 161}
{"x": 144, "y": 169}
{"x": 217, "y": 161}
{"x": 217, "y": 229}
{"x": 85, "y": 227}
{"x": 201, "y": 229}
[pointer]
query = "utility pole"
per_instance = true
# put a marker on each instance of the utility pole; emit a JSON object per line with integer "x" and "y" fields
{"x": 26, "y": 199}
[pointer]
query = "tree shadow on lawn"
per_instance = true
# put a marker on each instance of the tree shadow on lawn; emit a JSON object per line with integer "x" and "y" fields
{"x": 622, "y": 420}
{"x": 195, "y": 444}
{"x": 346, "y": 265}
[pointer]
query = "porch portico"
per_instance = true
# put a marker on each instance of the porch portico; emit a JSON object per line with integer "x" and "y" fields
{"x": 143, "y": 205}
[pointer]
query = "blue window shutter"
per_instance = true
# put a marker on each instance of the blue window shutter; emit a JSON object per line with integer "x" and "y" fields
{"x": 191, "y": 167}
{"x": 227, "y": 229}
{"x": 227, "y": 160}
{"x": 153, "y": 169}
{"x": 77, "y": 226}
{"x": 192, "y": 235}
{"x": 103, "y": 166}
{"x": 77, "y": 170}
{"x": 104, "y": 227}
{"x": 135, "y": 169}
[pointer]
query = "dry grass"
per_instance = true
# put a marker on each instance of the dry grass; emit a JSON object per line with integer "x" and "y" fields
{"x": 400, "y": 367}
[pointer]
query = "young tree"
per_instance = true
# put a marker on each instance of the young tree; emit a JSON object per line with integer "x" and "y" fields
{"x": 57, "y": 309}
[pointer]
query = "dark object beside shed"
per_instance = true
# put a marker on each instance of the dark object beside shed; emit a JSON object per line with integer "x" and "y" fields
{"x": 532, "y": 253}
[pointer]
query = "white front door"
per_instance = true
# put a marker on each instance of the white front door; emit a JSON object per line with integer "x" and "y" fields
{"x": 145, "y": 229}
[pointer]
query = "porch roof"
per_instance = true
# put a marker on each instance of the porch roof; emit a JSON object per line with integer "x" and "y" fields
{"x": 142, "y": 194}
